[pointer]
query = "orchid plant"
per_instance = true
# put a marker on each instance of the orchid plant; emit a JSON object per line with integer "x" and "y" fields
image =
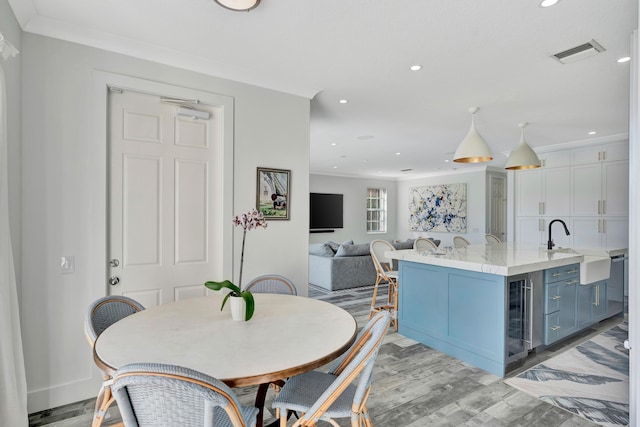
{"x": 248, "y": 221}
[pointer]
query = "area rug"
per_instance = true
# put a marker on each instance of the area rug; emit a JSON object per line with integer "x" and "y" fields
{"x": 590, "y": 380}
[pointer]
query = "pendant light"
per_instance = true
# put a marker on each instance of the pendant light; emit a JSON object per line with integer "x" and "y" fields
{"x": 239, "y": 5}
{"x": 522, "y": 157}
{"x": 473, "y": 148}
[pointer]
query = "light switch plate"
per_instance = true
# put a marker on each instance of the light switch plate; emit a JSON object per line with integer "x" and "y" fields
{"x": 67, "y": 264}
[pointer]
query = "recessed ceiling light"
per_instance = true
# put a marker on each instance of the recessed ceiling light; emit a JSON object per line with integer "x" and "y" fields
{"x": 397, "y": 154}
{"x": 335, "y": 167}
{"x": 593, "y": 132}
{"x": 624, "y": 59}
{"x": 548, "y": 3}
{"x": 343, "y": 101}
{"x": 446, "y": 161}
{"x": 334, "y": 144}
{"x": 415, "y": 67}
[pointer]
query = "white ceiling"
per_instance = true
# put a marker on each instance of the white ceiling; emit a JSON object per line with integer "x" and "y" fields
{"x": 493, "y": 54}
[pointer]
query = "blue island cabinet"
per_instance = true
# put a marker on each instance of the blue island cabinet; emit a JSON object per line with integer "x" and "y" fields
{"x": 461, "y": 313}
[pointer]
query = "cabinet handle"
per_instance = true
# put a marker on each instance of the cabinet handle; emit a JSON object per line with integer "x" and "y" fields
{"x": 604, "y": 226}
{"x": 604, "y": 155}
{"x": 604, "y": 207}
{"x": 572, "y": 271}
{"x": 555, "y": 274}
{"x": 599, "y": 226}
{"x": 541, "y": 225}
{"x": 539, "y": 208}
{"x": 571, "y": 282}
{"x": 555, "y": 328}
{"x": 599, "y": 155}
{"x": 556, "y": 297}
{"x": 599, "y": 207}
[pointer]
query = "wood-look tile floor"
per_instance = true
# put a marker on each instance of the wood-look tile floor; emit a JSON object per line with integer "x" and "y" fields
{"x": 413, "y": 385}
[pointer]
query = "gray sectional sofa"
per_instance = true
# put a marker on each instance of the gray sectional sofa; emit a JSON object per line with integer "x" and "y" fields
{"x": 334, "y": 266}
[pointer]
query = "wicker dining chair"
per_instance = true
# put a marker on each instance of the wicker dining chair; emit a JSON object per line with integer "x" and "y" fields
{"x": 422, "y": 244}
{"x": 460, "y": 242}
{"x": 491, "y": 239}
{"x": 153, "y": 394}
{"x": 272, "y": 284}
{"x": 103, "y": 313}
{"x": 328, "y": 396}
{"x": 384, "y": 273}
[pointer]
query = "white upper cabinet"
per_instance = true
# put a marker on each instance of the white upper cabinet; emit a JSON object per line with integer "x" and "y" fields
{"x": 529, "y": 193}
{"x": 615, "y": 188}
{"x": 556, "y": 159}
{"x": 588, "y": 187}
{"x": 601, "y": 153}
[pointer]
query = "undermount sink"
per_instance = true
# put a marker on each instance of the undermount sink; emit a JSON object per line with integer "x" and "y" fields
{"x": 594, "y": 268}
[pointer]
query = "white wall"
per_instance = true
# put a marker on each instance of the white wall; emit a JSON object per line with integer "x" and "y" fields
{"x": 476, "y": 205}
{"x": 12, "y": 71}
{"x": 355, "y": 207}
{"x": 58, "y": 202}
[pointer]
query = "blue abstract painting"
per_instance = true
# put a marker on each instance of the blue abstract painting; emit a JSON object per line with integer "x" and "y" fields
{"x": 438, "y": 208}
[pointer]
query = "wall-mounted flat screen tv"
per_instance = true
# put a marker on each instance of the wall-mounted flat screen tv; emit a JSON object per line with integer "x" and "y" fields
{"x": 325, "y": 211}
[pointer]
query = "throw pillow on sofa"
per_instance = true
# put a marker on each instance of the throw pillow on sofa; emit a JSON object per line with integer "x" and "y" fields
{"x": 353, "y": 250}
{"x": 404, "y": 245}
{"x": 321, "y": 249}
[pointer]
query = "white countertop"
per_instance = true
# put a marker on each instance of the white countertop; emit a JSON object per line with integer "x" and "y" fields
{"x": 503, "y": 259}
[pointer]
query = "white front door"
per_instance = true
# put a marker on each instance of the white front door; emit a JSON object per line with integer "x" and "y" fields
{"x": 161, "y": 210}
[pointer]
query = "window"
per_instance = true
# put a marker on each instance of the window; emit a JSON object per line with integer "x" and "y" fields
{"x": 376, "y": 210}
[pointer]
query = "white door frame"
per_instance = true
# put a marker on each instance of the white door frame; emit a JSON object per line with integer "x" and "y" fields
{"x": 101, "y": 82}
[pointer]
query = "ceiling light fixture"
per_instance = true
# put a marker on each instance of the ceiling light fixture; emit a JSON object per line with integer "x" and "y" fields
{"x": 522, "y": 157}
{"x": 239, "y": 5}
{"x": 473, "y": 148}
{"x": 593, "y": 132}
{"x": 415, "y": 67}
{"x": 624, "y": 59}
{"x": 548, "y": 3}
{"x": 343, "y": 101}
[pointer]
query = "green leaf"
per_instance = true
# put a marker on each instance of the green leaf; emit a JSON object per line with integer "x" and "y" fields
{"x": 250, "y": 303}
{"x": 216, "y": 286}
{"x": 224, "y": 301}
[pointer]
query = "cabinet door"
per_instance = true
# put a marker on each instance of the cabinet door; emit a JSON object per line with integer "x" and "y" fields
{"x": 615, "y": 151}
{"x": 586, "y": 155}
{"x": 615, "y": 233}
{"x": 557, "y": 192}
{"x": 556, "y": 159}
{"x": 599, "y": 301}
{"x": 585, "y": 305}
{"x": 529, "y": 231}
{"x": 568, "y": 315}
{"x": 615, "y": 185}
{"x": 586, "y": 232}
{"x": 587, "y": 189}
{"x": 529, "y": 193}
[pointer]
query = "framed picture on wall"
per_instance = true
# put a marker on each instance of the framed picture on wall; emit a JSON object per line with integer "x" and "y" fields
{"x": 273, "y": 193}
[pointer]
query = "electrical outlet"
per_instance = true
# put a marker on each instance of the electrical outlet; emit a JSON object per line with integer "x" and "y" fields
{"x": 67, "y": 264}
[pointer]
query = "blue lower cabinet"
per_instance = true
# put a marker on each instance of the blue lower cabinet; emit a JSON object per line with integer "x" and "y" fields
{"x": 592, "y": 303}
{"x": 459, "y": 312}
{"x": 560, "y": 307}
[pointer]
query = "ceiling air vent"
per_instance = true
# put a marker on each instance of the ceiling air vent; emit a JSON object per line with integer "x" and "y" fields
{"x": 579, "y": 52}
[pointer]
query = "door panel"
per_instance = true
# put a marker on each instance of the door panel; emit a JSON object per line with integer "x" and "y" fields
{"x": 161, "y": 217}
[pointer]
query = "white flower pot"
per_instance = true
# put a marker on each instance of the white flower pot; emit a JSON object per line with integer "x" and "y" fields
{"x": 238, "y": 308}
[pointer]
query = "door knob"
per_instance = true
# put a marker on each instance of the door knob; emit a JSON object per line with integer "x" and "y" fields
{"x": 114, "y": 262}
{"x": 114, "y": 280}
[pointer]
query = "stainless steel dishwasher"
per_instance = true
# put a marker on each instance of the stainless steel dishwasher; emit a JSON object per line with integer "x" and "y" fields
{"x": 615, "y": 285}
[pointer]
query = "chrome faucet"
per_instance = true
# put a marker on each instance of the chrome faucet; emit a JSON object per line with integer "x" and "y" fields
{"x": 550, "y": 243}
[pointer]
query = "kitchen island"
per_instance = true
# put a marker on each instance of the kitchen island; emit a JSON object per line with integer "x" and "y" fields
{"x": 482, "y": 303}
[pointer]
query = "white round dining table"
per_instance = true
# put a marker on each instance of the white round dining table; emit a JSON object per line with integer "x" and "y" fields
{"x": 287, "y": 335}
